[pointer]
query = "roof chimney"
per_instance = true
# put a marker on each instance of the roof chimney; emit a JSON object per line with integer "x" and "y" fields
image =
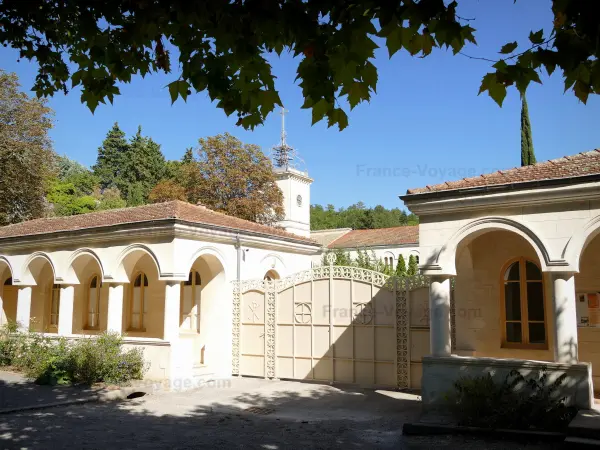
{"x": 200, "y": 205}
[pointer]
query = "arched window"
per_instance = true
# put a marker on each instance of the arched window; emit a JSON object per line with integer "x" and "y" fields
{"x": 8, "y": 282}
{"x": 271, "y": 275}
{"x": 93, "y": 302}
{"x": 523, "y": 307}
{"x": 190, "y": 302}
{"x": 54, "y": 305}
{"x": 138, "y": 303}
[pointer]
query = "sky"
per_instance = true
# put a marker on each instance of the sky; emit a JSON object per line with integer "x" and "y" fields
{"x": 425, "y": 125}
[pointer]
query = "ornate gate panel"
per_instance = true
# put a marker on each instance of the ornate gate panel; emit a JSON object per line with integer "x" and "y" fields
{"x": 330, "y": 323}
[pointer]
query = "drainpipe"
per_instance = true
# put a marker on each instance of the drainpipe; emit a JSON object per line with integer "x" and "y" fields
{"x": 238, "y": 247}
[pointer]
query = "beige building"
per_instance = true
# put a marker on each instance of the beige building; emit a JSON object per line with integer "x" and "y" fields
{"x": 387, "y": 244}
{"x": 161, "y": 275}
{"x": 521, "y": 248}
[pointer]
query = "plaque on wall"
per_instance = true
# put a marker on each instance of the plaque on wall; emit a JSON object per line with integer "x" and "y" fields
{"x": 588, "y": 309}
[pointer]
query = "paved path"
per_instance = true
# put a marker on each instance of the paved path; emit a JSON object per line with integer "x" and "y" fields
{"x": 240, "y": 413}
{"x": 16, "y": 391}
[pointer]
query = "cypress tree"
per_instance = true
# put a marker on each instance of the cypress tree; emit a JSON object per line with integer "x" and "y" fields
{"x": 146, "y": 167}
{"x": 401, "y": 267}
{"x": 111, "y": 162}
{"x": 413, "y": 266}
{"x": 527, "y": 154}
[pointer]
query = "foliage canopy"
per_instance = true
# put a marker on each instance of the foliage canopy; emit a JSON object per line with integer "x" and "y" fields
{"x": 222, "y": 47}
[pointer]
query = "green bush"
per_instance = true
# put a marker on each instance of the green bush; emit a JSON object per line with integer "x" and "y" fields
{"x": 58, "y": 361}
{"x": 516, "y": 403}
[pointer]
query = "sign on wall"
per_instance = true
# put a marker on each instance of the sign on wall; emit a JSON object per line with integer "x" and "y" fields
{"x": 588, "y": 309}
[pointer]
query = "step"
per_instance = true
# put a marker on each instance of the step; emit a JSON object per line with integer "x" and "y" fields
{"x": 586, "y": 424}
{"x": 579, "y": 442}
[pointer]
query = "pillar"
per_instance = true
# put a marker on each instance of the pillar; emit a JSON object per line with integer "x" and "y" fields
{"x": 65, "y": 310}
{"x": 24, "y": 307}
{"x": 172, "y": 313}
{"x": 439, "y": 316}
{"x": 114, "y": 320}
{"x": 565, "y": 318}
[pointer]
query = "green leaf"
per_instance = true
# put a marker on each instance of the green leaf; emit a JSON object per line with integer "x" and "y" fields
{"x": 319, "y": 110}
{"x": 537, "y": 37}
{"x": 509, "y": 48}
{"x": 495, "y": 89}
{"x": 369, "y": 75}
{"x": 394, "y": 41}
{"x": 582, "y": 91}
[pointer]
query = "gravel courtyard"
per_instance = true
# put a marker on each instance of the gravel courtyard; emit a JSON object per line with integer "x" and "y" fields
{"x": 240, "y": 413}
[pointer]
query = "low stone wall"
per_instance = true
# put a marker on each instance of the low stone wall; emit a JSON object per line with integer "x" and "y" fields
{"x": 440, "y": 373}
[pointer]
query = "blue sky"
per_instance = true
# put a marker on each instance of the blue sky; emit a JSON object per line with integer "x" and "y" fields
{"x": 426, "y": 118}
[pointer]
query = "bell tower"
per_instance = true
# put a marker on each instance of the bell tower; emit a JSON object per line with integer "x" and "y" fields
{"x": 294, "y": 183}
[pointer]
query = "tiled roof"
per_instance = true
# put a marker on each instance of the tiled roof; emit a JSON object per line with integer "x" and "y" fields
{"x": 587, "y": 163}
{"x": 380, "y": 236}
{"x": 159, "y": 211}
{"x": 325, "y": 237}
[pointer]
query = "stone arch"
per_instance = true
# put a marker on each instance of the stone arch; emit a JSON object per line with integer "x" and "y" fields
{"x": 446, "y": 257}
{"x": 578, "y": 242}
{"x": 203, "y": 251}
{"x": 28, "y": 278}
{"x": 272, "y": 262}
{"x": 5, "y": 263}
{"x": 71, "y": 273}
{"x": 127, "y": 260}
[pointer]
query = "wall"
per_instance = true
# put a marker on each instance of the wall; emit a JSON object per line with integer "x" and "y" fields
{"x": 588, "y": 280}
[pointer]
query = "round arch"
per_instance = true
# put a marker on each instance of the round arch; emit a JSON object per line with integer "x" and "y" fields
{"x": 446, "y": 257}
{"x": 5, "y": 262}
{"x": 71, "y": 273}
{"x": 206, "y": 251}
{"x": 272, "y": 262}
{"x": 120, "y": 272}
{"x": 579, "y": 241}
{"x": 27, "y": 276}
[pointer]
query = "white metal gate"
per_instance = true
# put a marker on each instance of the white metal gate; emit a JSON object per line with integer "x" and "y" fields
{"x": 334, "y": 324}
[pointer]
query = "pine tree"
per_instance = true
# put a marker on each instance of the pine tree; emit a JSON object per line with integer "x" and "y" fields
{"x": 401, "y": 267}
{"x": 111, "y": 162}
{"x": 527, "y": 153}
{"x": 413, "y": 266}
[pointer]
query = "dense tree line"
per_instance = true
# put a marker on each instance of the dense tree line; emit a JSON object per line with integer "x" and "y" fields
{"x": 366, "y": 259}
{"x": 359, "y": 217}
{"x": 222, "y": 173}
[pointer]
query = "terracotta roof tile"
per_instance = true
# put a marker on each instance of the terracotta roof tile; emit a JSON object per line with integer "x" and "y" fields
{"x": 587, "y": 163}
{"x": 380, "y": 236}
{"x": 169, "y": 210}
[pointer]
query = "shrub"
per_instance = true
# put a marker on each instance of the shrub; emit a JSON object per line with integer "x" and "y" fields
{"x": 517, "y": 402}
{"x": 58, "y": 361}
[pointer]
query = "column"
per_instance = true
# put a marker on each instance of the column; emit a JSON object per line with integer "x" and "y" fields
{"x": 565, "y": 318}
{"x": 65, "y": 310}
{"x": 24, "y": 307}
{"x": 114, "y": 322}
{"x": 172, "y": 314}
{"x": 439, "y": 316}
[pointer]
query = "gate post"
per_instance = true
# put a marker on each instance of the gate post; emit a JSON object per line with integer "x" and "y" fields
{"x": 402, "y": 333}
{"x": 236, "y": 330}
{"x": 270, "y": 330}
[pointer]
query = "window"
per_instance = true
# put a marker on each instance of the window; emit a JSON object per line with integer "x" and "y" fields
{"x": 54, "y": 305}
{"x": 139, "y": 306}
{"x": 523, "y": 306}
{"x": 8, "y": 282}
{"x": 93, "y": 303}
{"x": 190, "y": 302}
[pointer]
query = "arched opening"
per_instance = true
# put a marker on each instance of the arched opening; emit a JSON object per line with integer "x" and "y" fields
{"x": 8, "y": 295}
{"x": 501, "y": 307}
{"x": 144, "y": 296}
{"x": 191, "y": 291}
{"x": 90, "y": 306}
{"x": 271, "y": 275}
{"x": 587, "y": 288}
{"x": 205, "y": 324}
{"x": 45, "y": 296}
